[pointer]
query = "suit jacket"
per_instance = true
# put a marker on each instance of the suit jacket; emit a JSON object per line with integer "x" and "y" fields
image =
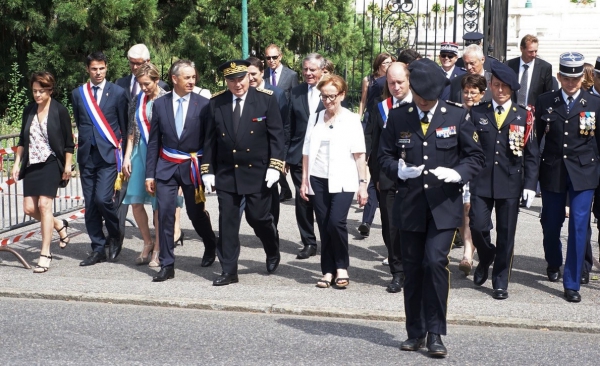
{"x": 487, "y": 63}
{"x": 541, "y": 78}
{"x": 164, "y": 133}
{"x": 283, "y": 109}
{"x": 240, "y": 160}
{"x": 567, "y": 150}
{"x": 298, "y": 122}
{"x": 456, "y": 89}
{"x": 114, "y": 104}
{"x": 287, "y": 80}
{"x": 504, "y": 172}
{"x": 125, "y": 83}
{"x": 450, "y": 141}
{"x": 60, "y": 133}
{"x": 455, "y": 73}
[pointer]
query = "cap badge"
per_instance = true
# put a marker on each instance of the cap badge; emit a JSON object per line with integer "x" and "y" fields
{"x": 233, "y": 65}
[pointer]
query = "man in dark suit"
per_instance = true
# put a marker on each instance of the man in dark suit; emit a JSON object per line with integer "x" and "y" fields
{"x": 534, "y": 74}
{"x": 429, "y": 149}
{"x": 100, "y": 109}
{"x": 243, "y": 159}
{"x": 512, "y": 155}
{"x": 474, "y": 61}
{"x": 304, "y": 102}
{"x": 477, "y": 39}
{"x": 285, "y": 79}
{"x": 398, "y": 86}
{"x": 177, "y": 132}
{"x": 448, "y": 57}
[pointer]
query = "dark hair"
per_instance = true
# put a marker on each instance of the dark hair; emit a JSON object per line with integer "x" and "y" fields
{"x": 379, "y": 60}
{"x": 408, "y": 55}
{"x": 95, "y": 56}
{"x": 256, "y": 62}
{"x": 474, "y": 81}
{"x": 329, "y": 66}
{"x": 528, "y": 39}
{"x": 44, "y": 78}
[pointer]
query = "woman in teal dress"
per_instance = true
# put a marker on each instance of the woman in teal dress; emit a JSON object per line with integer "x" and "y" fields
{"x": 134, "y": 162}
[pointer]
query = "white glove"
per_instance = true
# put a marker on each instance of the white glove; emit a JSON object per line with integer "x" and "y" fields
{"x": 446, "y": 174}
{"x": 272, "y": 177}
{"x": 528, "y": 196}
{"x": 406, "y": 172}
{"x": 209, "y": 182}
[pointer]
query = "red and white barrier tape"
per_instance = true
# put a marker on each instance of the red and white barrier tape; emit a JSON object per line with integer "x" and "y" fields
{"x": 23, "y": 236}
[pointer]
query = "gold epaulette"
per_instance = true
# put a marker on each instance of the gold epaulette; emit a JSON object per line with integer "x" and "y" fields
{"x": 266, "y": 91}
{"x": 218, "y": 93}
{"x": 277, "y": 164}
{"x": 204, "y": 168}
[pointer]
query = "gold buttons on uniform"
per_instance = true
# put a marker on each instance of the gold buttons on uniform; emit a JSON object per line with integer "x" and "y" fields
{"x": 223, "y": 134}
{"x": 247, "y": 150}
{"x": 236, "y": 165}
{"x": 251, "y": 132}
{"x": 234, "y": 151}
{"x": 249, "y": 165}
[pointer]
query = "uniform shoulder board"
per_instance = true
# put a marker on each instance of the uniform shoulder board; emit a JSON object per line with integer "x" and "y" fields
{"x": 266, "y": 91}
{"x": 524, "y": 106}
{"x": 463, "y": 69}
{"x": 459, "y": 105}
{"x": 218, "y": 93}
{"x": 594, "y": 94}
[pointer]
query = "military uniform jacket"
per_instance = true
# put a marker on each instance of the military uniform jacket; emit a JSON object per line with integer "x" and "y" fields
{"x": 451, "y": 141}
{"x": 510, "y": 163}
{"x": 240, "y": 161}
{"x": 372, "y": 138}
{"x": 572, "y": 141}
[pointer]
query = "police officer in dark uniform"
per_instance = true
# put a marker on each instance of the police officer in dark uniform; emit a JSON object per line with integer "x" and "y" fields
{"x": 243, "y": 158}
{"x": 430, "y": 149}
{"x": 475, "y": 38}
{"x": 567, "y": 118}
{"x": 511, "y": 155}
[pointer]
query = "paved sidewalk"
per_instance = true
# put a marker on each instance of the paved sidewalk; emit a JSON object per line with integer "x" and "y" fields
{"x": 533, "y": 303}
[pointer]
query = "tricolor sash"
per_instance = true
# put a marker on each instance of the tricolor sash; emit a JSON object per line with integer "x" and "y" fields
{"x": 384, "y": 109}
{"x": 178, "y": 157}
{"x": 141, "y": 117}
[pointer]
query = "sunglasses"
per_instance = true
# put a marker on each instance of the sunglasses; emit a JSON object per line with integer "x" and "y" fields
{"x": 448, "y": 55}
{"x": 271, "y": 57}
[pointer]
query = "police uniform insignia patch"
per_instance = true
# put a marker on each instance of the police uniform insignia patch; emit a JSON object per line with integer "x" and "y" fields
{"x": 483, "y": 121}
{"x": 518, "y": 118}
{"x": 475, "y": 136}
{"x": 583, "y": 102}
{"x": 405, "y": 135}
{"x": 556, "y": 100}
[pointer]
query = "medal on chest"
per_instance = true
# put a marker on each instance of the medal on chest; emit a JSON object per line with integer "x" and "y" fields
{"x": 587, "y": 123}
{"x": 516, "y": 139}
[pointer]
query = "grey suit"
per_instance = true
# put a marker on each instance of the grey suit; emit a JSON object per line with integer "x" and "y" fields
{"x": 287, "y": 80}
{"x": 541, "y": 78}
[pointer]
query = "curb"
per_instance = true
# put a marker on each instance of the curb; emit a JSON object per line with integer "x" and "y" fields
{"x": 287, "y": 309}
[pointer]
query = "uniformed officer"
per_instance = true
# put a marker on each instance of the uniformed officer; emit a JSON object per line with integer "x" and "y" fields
{"x": 243, "y": 159}
{"x": 511, "y": 154}
{"x": 429, "y": 148}
{"x": 567, "y": 118}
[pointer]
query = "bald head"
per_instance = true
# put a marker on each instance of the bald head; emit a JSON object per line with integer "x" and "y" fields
{"x": 397, "y": 80}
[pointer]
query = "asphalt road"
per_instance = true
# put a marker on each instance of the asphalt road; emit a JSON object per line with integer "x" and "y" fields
{"x": 65, "y": 333}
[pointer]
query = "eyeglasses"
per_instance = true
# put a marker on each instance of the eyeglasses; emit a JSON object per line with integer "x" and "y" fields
{"x": 272, "y": 57}
{"x": 471, "y": 94}
{"x": 39, "y": 91}
{"x": 331, "y": 98}
{"x": 447, "y": 55}
{"x": 138, "y": 64}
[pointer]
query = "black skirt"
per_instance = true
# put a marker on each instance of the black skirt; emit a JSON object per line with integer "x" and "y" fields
{"x": 42, "y": 179}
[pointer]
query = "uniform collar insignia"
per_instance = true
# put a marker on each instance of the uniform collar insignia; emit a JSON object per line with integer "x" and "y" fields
{"x": 583, "y": 102}
{"x": 518, "y": 118}
{"x": 557, "y": 100}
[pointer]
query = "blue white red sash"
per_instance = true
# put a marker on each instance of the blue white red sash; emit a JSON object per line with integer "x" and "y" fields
{"x": 178, "y": 157}
{"x": 384, "y": 109}
{"x": 141, "y": 117}
{"x": 100, "y": 122}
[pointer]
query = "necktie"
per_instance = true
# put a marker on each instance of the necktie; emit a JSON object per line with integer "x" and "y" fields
{"x": 522, "y": 94}
{"x": 273, "y": 78}
{"x": 95, "y": 92}
{"x": 425, "y": 122}
{"x": 179, "y": 117}
{"x": 237, "y": 114}
{"x": 499, "y": 111}
{"x": 569, "y": 104}
{"x": 134, "y": 88}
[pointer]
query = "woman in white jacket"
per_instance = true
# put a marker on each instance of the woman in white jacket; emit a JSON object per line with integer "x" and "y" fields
{"x": 333, "y": 170}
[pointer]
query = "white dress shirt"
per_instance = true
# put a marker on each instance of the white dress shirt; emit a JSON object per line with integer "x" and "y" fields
{"x": 429, "y": 114}
{"x": 185, "y": 105}
{"x": 139, "y": 88}
{"x": 243, "y": 97}
{"x": 313, "y": 99}
{"x": 99, "y": 92}
{"x": 529, "y": 73}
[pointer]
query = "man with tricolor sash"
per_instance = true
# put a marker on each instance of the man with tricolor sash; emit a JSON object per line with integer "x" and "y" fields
{"x": 100, "y": 109}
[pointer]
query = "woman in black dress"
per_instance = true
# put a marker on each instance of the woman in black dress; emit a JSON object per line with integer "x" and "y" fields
{"x": 43, "y": 159}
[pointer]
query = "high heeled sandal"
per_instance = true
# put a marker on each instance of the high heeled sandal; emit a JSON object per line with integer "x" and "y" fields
{"x": 66, "y": 240}
{"x": 42, "y": 269}
{"x": 155, "y": 262}
{"x": 145, "y": 260}
{"x": 180, "y": 239}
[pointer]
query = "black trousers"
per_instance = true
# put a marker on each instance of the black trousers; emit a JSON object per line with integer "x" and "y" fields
{"x": 304, "y": 210}
{"x": 285, "y": 187}
{"x": 390, "y": 233}
{"x": 427, "y": 284}
{"x": 275, "y": 205}
{"x": 372, "y": 203}
{"x": 480, "y": 216}
{"x": 258, "y": 216}
{"x": 331, "y": 210}
{"x": 166, "y": 198}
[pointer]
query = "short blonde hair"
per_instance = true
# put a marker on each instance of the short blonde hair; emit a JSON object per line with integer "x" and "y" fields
{"x": 337, "y": 81}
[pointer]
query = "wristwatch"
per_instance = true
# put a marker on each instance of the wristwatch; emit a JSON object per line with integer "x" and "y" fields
{"x": 362, "y": 181}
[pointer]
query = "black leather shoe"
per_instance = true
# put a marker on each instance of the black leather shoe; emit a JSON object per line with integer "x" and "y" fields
{"x": 396, "y": 284}
{"x": 225, "y": 279}
{"x": 308, "y": 251}
{"x": 207, "y": 259}
{"x": 585, "y": 278}
{"x": 273, "y": 263}
{"x": 500, "y": 294}
{"x": 412, "y": 344}
{"x": 435, "y": 347}
{"x": 572, "y": 296}
{"x": 457, "y": 241}
{"x": 553, "y": 274}
{"x": 95, "y": 257}
{"x": 285, "y": 195}
{"x": 481, "y": 273}
{"x": 165, "y": 273}
{"x": 364, "y": 229}
{"x": 114, "y": 248}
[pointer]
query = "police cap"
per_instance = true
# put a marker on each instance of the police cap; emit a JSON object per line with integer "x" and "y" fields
{"x": 234, "y": 68}
{"x": 505, "y": 74}
{"x": 427, "y": 79}
{"x": 571, "y": 64}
